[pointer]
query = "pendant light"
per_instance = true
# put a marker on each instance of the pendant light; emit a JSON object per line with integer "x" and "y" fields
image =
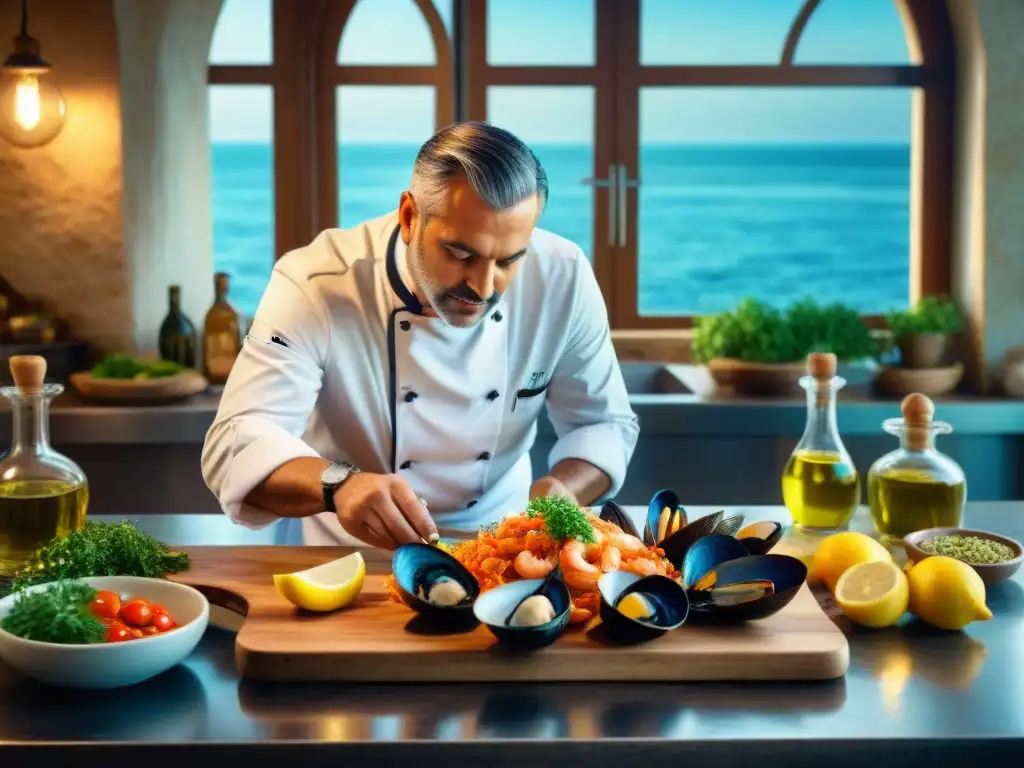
{"x": 31, "y": 108}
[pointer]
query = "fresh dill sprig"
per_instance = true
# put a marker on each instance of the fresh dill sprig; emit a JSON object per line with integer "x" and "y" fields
{"x": 99, "y": 549}
{"x": 57, "y": 614}
{"x": 563, "y": 519}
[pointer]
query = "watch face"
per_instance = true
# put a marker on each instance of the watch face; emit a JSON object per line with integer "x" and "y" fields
{"x": 334, "y": 474}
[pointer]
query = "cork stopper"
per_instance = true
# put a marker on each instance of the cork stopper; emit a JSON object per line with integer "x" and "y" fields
{"x": 28, "y": 372}
{"x": 918, "y": 411}
{"x": 822, "y": 365}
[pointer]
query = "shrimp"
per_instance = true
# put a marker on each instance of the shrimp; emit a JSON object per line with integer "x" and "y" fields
{"x": 494, "y": 564}
{"x": 572, "y": 558}
{"x": 626, "y": 544}
{"x": 529, "y": 566}
{"x": 639, "y": 566}
{"x": 611, "y": 558}
{"x": 581, "y": 581}
{"x": 579, "y": 615}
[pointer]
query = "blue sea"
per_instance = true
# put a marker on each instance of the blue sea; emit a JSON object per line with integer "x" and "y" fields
{"x": 716, "y": 223}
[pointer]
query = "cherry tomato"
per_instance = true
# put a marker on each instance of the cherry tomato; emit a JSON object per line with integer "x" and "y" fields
{"x": 157, "y": 609}
{"x": 118, "y": 633}
{"x": 163, "y": 622}
{"x": 106, "y": 605}
{"x": 137, "y": 613}
{"x": 150, "y": 630}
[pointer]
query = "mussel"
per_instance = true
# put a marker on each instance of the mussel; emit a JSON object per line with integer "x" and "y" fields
{"x": 616, "y": 515}
{"x": 433, "y": 582}
{"x": 636, "y": 608}
{"x": 725, "y": 583}
{"x": 760, "y": 537}
{"x": 526, "y": 615}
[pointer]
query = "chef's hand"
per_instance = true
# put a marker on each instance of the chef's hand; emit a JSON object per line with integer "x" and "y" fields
{"x": 551, "y": 486}
{"x": 383, "y": 511}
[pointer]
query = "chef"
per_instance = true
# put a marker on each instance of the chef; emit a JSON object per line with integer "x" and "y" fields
{"x": 394, "y": 372}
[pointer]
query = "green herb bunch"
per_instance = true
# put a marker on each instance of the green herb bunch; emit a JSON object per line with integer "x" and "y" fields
{"x": 100, "y": 549}
{"x": 127, "y": 367}
{"x": 563, "y": 519}
{"x": 932, "y": 314}
{"x": 757, "y": 332}
{"x": 57, "y": 614}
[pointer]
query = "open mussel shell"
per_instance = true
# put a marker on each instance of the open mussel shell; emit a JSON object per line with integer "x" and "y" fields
{"x": 418, "y": 568}
{"x": 616, "y": 515}
{"x": 747, "y": 588}
{"x": 706, "y": 554}
{"x": 678, "y": 544}
{"x": 659, "y": 525}
{"x": 760, "y": 537}
{"x": 666, "y": 600}
{"x": 496, "y": 607}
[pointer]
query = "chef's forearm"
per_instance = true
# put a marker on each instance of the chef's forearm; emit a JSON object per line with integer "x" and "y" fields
{"x": 587, "y": 482}
{"x": 291, "y": 490}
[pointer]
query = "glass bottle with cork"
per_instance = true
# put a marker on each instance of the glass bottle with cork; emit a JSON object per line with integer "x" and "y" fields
{"x": 43, "y": 493}
{"x": 222, "y": 334}
{"x": 177, "y": 334}
{"x": 915, "y": 486}
{"x": 820, "y": 484}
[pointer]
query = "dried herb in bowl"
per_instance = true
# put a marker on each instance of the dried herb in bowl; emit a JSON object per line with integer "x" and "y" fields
{"x": 973, "y": 550}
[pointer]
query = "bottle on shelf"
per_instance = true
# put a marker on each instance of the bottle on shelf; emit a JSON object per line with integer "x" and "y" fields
{"x": 222, "y": 334}
{"x": 177, "y": 334}
{"x": 820, "y": 484}
{"x": 43, "y": 493}
{"x": 915, "y": 486}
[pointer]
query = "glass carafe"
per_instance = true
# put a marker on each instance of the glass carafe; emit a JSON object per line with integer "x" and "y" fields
{"x": 43, "y": 493}
{"x": 915, "y": 487}
{"x": 820, "y": 484}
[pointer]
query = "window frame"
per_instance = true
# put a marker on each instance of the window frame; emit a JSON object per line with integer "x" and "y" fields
{"x": 304, "y": 75}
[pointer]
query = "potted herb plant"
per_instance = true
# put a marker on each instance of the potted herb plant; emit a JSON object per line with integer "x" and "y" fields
{"x": 758, "y": 349}
{"x": 923, "y": 332}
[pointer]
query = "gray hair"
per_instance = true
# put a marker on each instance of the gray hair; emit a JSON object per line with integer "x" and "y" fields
{"x": 502, "y": 170}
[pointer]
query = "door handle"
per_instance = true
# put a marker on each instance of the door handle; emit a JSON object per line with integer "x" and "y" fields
{"x": 624, "y": 183}
{"x": 608, "y": 183}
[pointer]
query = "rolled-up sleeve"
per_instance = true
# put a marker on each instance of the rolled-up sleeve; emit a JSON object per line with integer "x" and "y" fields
{"x": 587, "y": 401}
{"x": 267, "y": 401}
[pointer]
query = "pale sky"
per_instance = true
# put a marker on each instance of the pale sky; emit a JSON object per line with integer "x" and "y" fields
{"x": 534, "y": 32}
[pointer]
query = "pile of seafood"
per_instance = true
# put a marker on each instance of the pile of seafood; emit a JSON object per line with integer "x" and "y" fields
{"x": 527, "y": 586}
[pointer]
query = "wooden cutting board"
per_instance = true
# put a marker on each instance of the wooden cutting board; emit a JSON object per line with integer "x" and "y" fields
{"x": 378, "y": 640}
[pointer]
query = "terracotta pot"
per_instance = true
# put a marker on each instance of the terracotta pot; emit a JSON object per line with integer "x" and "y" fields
{"x": 923, "y": 350}
{"x": 928, "y": 381}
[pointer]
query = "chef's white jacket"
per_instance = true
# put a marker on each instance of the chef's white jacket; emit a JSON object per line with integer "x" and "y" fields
{"x": 341, "y": 363}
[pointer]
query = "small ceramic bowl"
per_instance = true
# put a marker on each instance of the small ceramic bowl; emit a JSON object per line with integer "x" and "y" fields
{"x": 113, "y": 665}
{"x": 991, "y": 573}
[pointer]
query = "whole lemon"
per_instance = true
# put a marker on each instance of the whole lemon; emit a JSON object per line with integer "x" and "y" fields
{"x": 947, "y": 593}
{"x": 839, "y": 551}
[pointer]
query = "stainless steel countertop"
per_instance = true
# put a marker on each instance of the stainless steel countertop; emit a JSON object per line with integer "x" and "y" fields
{"x": 910, "y": 693}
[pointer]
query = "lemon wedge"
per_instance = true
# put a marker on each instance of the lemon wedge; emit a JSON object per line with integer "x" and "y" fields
{"x": 326, "y": 587}
{"x": 873, "y": 594}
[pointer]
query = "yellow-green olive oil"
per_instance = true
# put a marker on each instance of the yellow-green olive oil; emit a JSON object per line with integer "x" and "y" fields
{"x": 904, "y": 500}
{"x": 32, "y": 512}
{"x": 820, "y": 489}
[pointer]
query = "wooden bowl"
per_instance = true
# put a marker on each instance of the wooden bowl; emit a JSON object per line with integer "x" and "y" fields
{"x": 928, "y": 381}
{"x": 153, "y": 391}
{"x": 991, "y": 573}
{"x": 757, "y": 378}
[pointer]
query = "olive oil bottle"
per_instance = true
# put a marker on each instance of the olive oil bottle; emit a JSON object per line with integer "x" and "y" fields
{"x": 820, "y": 484}
{"x": 915, "y": 486}
{"x": 222, "y": 334}
{"x": 43, "y": 493}
{"x": 177, "y": 334}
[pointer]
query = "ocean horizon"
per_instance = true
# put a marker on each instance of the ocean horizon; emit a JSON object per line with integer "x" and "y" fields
{"x": 718, "y": 222}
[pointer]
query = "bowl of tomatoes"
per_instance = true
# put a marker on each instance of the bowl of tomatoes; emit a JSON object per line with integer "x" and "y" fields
{"x": 101, "y": 632}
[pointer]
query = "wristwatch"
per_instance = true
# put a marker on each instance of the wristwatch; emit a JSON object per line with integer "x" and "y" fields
{"x": 332, "y": 478}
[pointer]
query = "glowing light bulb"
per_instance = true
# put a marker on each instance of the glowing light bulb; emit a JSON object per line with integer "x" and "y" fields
{"x": 26, "y": 102}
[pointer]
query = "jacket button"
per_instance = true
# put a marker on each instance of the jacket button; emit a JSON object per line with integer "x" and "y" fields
{"x": 405, "y": 325}
{"x": 471, "y": 504}
{"x": 496, "y": 317}
{"x": 405, "y": 465}
{"x": 493, "y": 395}
{"x": 410, "y": 396}
{"x": 485, "y": 456}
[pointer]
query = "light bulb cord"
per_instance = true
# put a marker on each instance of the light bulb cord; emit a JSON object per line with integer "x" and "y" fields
{"x": 24, "y": 19}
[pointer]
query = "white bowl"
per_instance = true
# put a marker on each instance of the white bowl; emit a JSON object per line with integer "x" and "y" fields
{"x": 113, "y": 665}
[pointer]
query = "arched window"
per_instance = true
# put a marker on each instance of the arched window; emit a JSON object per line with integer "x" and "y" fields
{"x": 699, "y": 152}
